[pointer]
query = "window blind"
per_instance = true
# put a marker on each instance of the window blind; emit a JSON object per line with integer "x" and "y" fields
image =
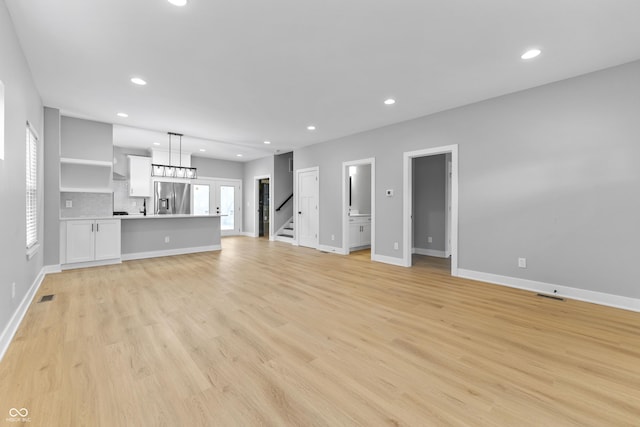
{"x": 32, "y": 187}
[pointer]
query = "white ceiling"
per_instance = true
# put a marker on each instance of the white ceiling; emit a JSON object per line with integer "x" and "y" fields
{"x": 241, "y": 72}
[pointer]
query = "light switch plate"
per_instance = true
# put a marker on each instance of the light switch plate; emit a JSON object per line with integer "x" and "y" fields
{"x": 68, "y": 203}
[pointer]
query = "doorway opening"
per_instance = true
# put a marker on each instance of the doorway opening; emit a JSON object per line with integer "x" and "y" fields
{"x": 358, "y": 206}
{"x": 430, "y": 214}
{"x": 263, "y": 194}
{"x": 263, "y": 208}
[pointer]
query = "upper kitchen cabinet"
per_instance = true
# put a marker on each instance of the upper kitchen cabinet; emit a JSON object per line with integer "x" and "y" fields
{"x": 86, "y": 156}
{"x": 139, "y": 176}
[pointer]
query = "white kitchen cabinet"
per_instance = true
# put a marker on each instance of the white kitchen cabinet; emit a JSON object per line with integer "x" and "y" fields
{"x": 92, "y": 240}
{"x": 139, "y": 176}
{"x": 359, "y": 231}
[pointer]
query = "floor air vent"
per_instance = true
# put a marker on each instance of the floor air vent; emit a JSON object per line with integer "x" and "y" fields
{"x": 46, "y": 298}
{"x": 551, "y": 297}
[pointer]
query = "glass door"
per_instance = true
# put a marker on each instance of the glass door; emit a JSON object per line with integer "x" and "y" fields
{"x": 201, "y": 199}
{"x": 227, "y": 204}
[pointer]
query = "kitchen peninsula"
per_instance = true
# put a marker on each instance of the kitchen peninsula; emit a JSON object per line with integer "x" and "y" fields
{"x": 102, "y": 240}
{"x": 163, "y": 235}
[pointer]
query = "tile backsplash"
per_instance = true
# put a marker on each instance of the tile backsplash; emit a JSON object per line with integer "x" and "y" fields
{"x": 122, "y": 201}
{"x": 86, "y": 204}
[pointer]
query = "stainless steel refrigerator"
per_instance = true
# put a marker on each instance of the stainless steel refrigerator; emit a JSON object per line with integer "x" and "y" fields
{"x": 172, "y": 198}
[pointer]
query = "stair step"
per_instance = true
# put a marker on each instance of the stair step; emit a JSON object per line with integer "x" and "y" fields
{"x": 288, "y": 228}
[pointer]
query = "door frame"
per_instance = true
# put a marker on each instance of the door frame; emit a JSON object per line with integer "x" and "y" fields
{"x": 407, "y": 195}
{"x": 345, "y": 203}
{"x": 296, "y": 203}
{"x": 256, "y": 203}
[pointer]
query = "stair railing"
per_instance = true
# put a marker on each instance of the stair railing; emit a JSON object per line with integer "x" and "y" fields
{"x": 284, "y": 203}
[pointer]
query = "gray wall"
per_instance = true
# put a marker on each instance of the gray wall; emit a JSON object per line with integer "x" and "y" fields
{"x": 549, "y": 174}
{"x": 22, "y": 103}
{"x": 282, "y": 188}
{"x": 51, "y": 161}
{"x": 361, "y": 189}
{"x": 147, "y": 235}
{"x": 214, "y": 168}
{"x": 86, "y": 139}
{"x": 259, "y": 167}
{"x": 429, "y": 202}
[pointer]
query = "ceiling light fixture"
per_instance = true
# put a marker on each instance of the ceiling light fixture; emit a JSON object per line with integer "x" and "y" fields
{"x": 203, "y": 150}
{"x": 125, "y": 115}
{"x": 178, "y": 2}
{"x": 530, "y": 54}
{"x": 238, "y": 155}
{"x": 267, "y": 142}
{"x": 138, "y": 81}
{"x": 170, "y": 170}
{"x": 390, "y": 101}
{"x": 311, "y": 127}
{"x": 156, "y": 143}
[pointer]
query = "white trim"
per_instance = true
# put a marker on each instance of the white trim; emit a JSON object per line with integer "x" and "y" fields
{"x": 98, "y": 263}
{"x": 49, "y": 269}
{"x": 332, "y": 249}
{"x": 14, "y": 323}
{"x": 170, "y": 252}
{"x": 247, "y": 234}
{"x": 407, "y": 201}
{"x": 33, "y": 250}
{"x": 601, "y": 298}
{"x": 345, "y": 203}
{"x": 388, "y": 260}
{"x": 256, "y": 202}
{"x": 296, "y": 226}
{"x": 430, "y": 252}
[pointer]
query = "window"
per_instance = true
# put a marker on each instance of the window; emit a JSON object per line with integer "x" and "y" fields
{"x": 1, "y": 121}
{"x": 32, "y": 191}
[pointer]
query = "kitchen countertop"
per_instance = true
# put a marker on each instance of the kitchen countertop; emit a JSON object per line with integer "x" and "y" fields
{"x": 360, "y": 215}
{"x": 140, "y": 216}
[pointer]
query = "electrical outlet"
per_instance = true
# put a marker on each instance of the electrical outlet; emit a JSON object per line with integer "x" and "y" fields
{"x": 68, "y": 203}
{"x": 522, "y": 262}
{"x": 13, "y": 290}
{"x": 395, "y": 245}
{"x": 167, "y": 239}
{"x": 429, "y": 239}
{"x": 333, "y": 237}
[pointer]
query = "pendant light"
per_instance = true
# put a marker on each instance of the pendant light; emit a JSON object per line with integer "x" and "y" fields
{"x": 171, "y": 171}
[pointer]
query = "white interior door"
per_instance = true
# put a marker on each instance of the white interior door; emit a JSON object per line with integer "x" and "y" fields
{"x": 307, "y": 215}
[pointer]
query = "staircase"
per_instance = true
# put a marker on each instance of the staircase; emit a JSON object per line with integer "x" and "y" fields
{"x": 286, "y": 233}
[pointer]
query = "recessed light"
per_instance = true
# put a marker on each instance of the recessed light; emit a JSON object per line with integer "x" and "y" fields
{"x": 311, "y": 127}
{"x": 238, "y": 155}
{"x": 122, "y": 115}
{"x": 203, "y": 150}
{"x": 530, "y": 54}
{"x": 156, "y": 143}
{"x": 138, "y": 81}
{"x": 178, "y": 2}
{"x": 267, "y": 142}
{"x": 389, "y": 101}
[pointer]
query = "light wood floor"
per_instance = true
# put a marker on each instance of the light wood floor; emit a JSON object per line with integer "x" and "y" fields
{"x": 264, "y": 333}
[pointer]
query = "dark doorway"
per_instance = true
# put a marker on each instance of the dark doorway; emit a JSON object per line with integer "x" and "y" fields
{"x": 263, "y": 208}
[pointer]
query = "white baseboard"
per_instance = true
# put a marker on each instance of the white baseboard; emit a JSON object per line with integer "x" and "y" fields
{"x": 430, "y": 252}
{"x": 12, "y": 327}
{"x": 388, "y": 260}
{"x": 331, "y": 249}
{"x": 170, "y": 252}
{"x": 248, "y": 234}
{"x": 48, "y": 269}
{"x": 617, "y": 301}
{"x": 90, "y": 264}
